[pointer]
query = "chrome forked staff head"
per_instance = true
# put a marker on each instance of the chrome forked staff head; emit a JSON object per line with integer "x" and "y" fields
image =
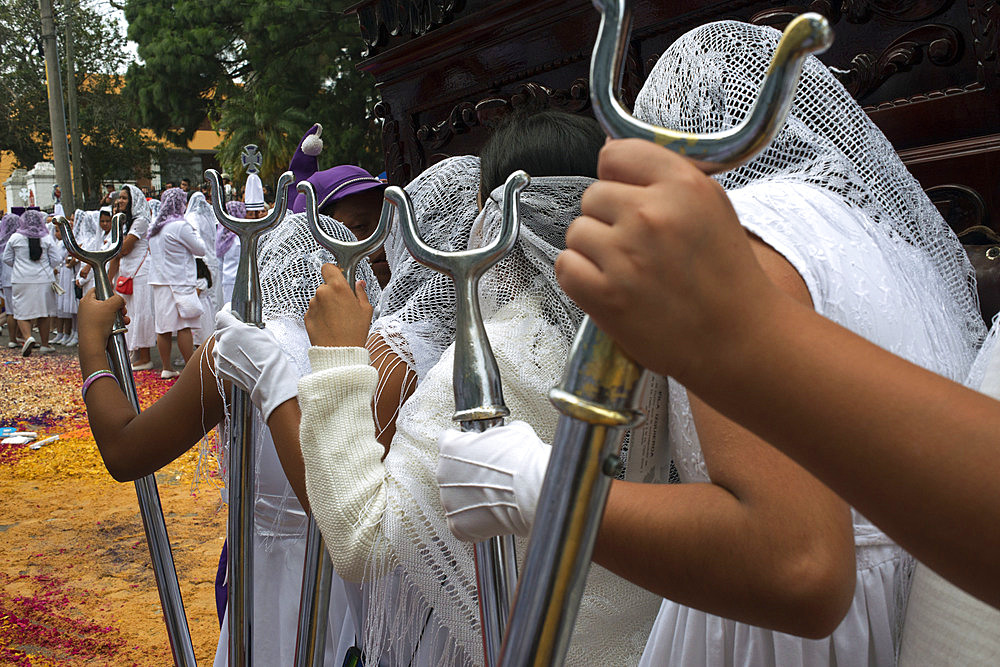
{"x": 348, "y": 254}
{"x": 478, "y": 391}
{"x": 805, "y": 34}
{"x": 246, "y": 290}
{"x": 97, "y": 259}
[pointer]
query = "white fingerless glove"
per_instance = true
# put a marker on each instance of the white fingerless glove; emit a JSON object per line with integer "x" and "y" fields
{"x": 490, "y": 481}
{"x": 250, "y": 358}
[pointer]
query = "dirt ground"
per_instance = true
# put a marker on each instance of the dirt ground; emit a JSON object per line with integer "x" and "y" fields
{"x": 76, "y": 586}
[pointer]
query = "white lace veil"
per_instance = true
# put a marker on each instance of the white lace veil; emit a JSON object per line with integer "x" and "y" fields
{"x": 707, "y": 81}
{"x": 140, "y": 207}
{"x": 423, "y": 584}
{"x": 201, "y": 216}
{"x": 87, "y": 230}
{"x": 417, "y": 311}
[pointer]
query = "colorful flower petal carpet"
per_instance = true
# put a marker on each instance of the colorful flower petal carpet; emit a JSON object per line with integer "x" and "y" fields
{"x": 76, "y": 586}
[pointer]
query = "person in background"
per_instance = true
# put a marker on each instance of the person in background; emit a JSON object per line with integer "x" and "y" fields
{"x": 31, "y": 252}
{"x": 185, "y": 185}
{"x": 173, "y": 245}
{"x": 346, "y": 193}
{"x": 8, "y": 225}
{"x": 133, "y": 262}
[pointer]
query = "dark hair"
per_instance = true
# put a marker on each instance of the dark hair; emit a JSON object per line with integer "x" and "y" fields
{"x": 202, "y": 270}
{"x": 185, "y": 180}
{"x": 34, "y": 249}
{"x": 128, "y": 210}
{"x": 546, "y": 143}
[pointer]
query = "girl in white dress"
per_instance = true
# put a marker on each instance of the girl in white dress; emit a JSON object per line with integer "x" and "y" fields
{"x": 749, "y": 545}
{"x": 134, "y": 261}
{"x": 173, "y": 245}
{"x": 66, "y": 300}
{"x": 289, "y": 262}
{"x": 32, "y": 254}
{"x": 7, "y": 227}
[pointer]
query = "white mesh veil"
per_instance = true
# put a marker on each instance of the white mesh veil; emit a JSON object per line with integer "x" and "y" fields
{"x": 200, "y": 214}
{"x": 430, "y": 600}
{"x": 289, "y": 260}
{"x": 707, "y": 81}
{"x": 86, "y": 229}
{"x": 417, "y": 312}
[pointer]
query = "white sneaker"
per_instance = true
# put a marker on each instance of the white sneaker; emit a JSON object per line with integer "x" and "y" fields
{"x": 29, "y": 345}
{"x": 12, "y": 345}
{"x": 143, "y": 367}
{"x": 45, "y": 349}
{"x": 168, "y": 375}
{"x": 73, "y": 340}
{"x": 60, "y": 339}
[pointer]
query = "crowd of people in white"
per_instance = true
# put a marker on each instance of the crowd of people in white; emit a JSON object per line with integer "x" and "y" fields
{"x": 175, "y": 270}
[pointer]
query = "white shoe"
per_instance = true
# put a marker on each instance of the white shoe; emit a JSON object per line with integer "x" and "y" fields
{"x": 169, "y": 375}
{"x": 29, "y": 345}
{"x": 45, "y": 349}
{"x": 73, "y": 340}
{"x": 56, "y": 339}
{"x": 12, "y": 345}
{"x": 143, "y": 367}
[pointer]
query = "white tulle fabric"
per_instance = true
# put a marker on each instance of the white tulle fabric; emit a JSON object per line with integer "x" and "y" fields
{"x": 289, "y": 260}
{"x": 200, "y": 214}
{"x": 424, "y": 590}
{"x": 830, "y": 195}
{"x": 417, "y": 311}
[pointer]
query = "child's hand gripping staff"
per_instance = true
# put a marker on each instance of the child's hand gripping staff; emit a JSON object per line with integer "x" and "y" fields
{"x": 246, "y": 304}
{"x": 145, "y": 488}
{"x": 317, "y": 573}
{"x": 479, "y": 400}
{"x": 600, "y": 383}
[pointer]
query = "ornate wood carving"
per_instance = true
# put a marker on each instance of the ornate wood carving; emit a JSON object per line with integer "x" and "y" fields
{"x": 859, "y": 11}
{"x": 984, "y": 17}
{"x": 942, "y": 44}
{"x": 380, "y": 20}
{"x": 961, "y": 206}
{"x": 530, "y": 95}
{"x": 392, "y": 146}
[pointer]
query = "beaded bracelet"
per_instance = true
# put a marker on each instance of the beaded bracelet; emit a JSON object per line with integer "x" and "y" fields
{"x": 95, "y": 376}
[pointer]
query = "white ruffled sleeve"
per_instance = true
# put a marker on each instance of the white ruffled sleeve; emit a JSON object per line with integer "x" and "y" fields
{"x": 345, "y": 477}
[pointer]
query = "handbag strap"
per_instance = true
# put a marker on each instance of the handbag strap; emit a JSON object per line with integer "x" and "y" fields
{"x": 134, "y": 273}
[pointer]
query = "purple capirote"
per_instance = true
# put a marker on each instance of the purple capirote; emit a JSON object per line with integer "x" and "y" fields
{"x": 336, "y": 183}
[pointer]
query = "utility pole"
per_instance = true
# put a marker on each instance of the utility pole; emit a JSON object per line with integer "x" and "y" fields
{"x": 57, "y": 117}
{"x": 74, "y": 123}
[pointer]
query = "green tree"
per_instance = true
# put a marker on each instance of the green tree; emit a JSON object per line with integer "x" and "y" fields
{"x": 261, "y": 72}
{"x": 113, "y": 144}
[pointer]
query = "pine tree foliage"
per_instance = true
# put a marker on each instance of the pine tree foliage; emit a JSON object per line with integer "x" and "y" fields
{"x": 262, "y": 72}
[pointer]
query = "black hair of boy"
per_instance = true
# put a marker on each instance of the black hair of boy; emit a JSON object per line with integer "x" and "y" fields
{"x": 545, "y": 143}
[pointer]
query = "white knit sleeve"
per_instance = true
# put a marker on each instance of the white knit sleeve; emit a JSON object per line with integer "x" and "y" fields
{"x": 345, "y": 478}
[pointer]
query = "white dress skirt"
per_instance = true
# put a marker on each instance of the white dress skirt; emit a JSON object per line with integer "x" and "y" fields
{"x": 141, "y": 331}
{"x": 177, "y": 307}
{"x": 853, "y": 276}
{"x": 279, "y": 553}
{"x": 30, "y": 301}
{"x": 66, "y": 303}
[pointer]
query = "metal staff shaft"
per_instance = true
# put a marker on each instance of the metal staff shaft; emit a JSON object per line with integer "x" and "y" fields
{"x": 317, "y": 570}
{"x": 600, "y": 385}
{"x": 479, "y": 401}
{"x": 246, "y": 304}
{"x": 145, "y": 488}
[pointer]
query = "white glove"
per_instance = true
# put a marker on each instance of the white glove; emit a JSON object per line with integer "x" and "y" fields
{"x": 490, "y": 481}
{"x": 250, "y": 358}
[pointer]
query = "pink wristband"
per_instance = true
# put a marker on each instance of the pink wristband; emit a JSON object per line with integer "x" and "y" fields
{"x": 95, "y": 376}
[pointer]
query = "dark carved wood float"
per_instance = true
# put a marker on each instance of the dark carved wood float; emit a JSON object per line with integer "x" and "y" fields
{"x": 925, "y": 70}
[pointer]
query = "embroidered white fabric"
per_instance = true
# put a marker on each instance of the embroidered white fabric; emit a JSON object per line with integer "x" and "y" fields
{"x": 832, "y": 197}
{"x": 419, "y": 569}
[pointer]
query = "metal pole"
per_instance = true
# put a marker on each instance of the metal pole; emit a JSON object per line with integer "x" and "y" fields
{"x": 479, "y": 401}
{"x": 57, "y": 116}
{"x": 76, "y": 191}
{"x": 242, "y": 469}
{"x": 600, "y": 385}
{"x": 317, "y": 570}
{"x": 145, "y": 488}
